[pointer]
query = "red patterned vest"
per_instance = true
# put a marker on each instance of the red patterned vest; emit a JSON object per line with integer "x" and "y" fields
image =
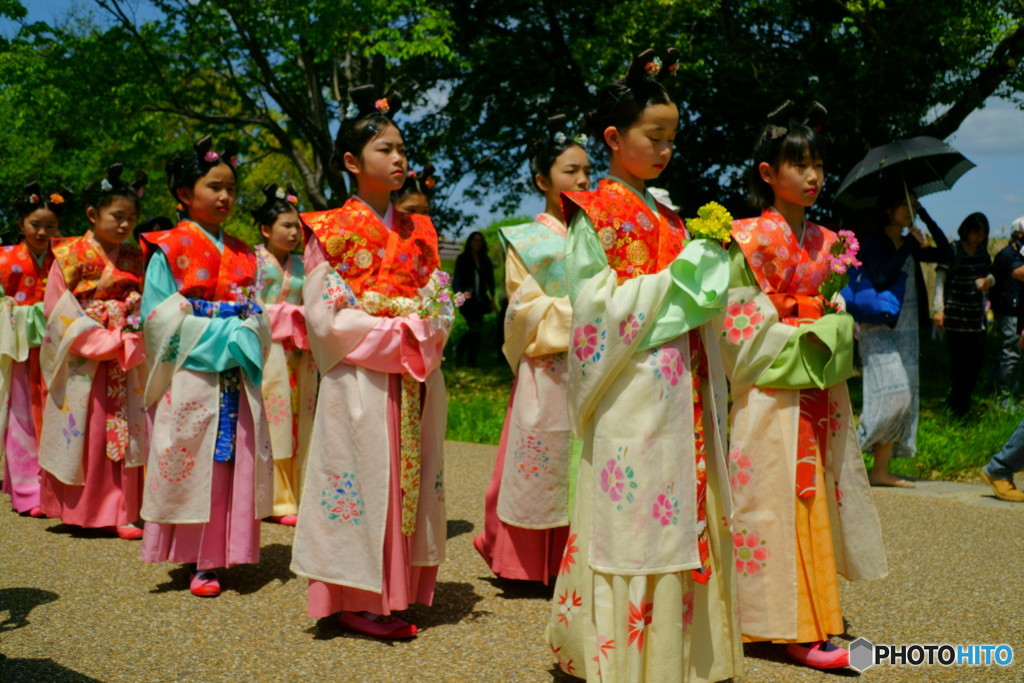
{"x": 90, "y": 275}
{"x": 790, "y": 274}
{"x": 636, "y": 240}
{"x": 21, "y": 275}
{"x": 369, "y": 256}
{"x": 199, "y": 269}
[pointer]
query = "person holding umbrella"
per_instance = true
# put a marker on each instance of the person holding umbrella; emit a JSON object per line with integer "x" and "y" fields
{"x": 892, "y": 258}
{"x": 891, "y": 178}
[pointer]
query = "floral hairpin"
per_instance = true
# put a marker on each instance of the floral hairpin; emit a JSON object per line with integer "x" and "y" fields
{"x": 211, "y": 157}
{"x": 352, "y": 111}
{"x": 653, "y": 67}
{"x": 34, "y": 198}
{"x": 381, "y": 105}
{"x": 412, "y": 173}
{"x": 561, "y": 138}
{"x": 430, "y": 182}
{"x": 673, "y": 68}
{"x": 777, "y": 132}
{"x": 56, "y": 198}
{"x": 105, "y": 185}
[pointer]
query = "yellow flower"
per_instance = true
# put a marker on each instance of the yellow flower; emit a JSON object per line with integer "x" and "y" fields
{"x": 713, "y": 222}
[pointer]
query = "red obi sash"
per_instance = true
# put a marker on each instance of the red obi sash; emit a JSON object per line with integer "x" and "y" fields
{"x": 90, "y": 274}
{"x": 788, "y": 273}
{"x": 22, "y": 277}
{"x": 369, "y": 256}
{"x": 199, "y": 269}
{"x": 636, "y": 240}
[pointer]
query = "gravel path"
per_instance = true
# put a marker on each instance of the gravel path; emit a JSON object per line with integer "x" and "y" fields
{"x": 77, "y": 606}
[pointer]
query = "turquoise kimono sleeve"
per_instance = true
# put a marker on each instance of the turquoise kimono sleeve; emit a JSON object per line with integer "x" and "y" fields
{"x": 224, "y": 345}
{"x": 816, "y": 356}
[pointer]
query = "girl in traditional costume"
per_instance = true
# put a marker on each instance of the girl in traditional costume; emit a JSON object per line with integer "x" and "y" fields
{"x": 414, "y": 195}
{"x": 289, "y": 375}
{"x": 94, "y": 435}
{"x": 209, "y": 478}
{"x": 645, "y": 589}
{"x": 23, "y": 272}
{"x": 371, "y": 529}
{"x": 525, "y": 515}
{"x": 803, "y": 510}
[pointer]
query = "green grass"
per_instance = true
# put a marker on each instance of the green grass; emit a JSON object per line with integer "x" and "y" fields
{"x": 947, "y": 448}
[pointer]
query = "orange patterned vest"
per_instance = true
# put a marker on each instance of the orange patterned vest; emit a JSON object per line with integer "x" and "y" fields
{"x": 369, "y": 256}
{"x": 87, "y": 274}
{"x": 636, "y": 240}
{"x": 788, "y": 273}
{"x": 21, "y": 276}
{"x": 198, "y": 268}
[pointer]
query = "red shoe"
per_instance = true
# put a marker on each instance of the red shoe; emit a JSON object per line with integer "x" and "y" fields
{"x": 816, "y": 657}
{"x": 205, "y": 584}
{"x": 285, "y": 520}
{"x": 389, "y": 630}
{"x": 36, "y": 512}
{"x": 128, "y": 532}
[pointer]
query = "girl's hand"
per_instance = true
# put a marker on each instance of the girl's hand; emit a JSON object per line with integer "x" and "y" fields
{"x": 983, "y": 284}
{"x": 939, "y": 320}
{"x": 915, "y": 232}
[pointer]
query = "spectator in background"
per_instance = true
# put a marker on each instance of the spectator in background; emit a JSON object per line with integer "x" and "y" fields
{"x": 959, "y": 308}
{"x": 1008, "y": 269}
{"x": 474, "y": 277}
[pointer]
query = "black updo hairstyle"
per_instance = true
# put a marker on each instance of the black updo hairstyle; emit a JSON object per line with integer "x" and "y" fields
{"x": 544, "y": 151}
{"x": 33, "y": 198}
{"x": 184, "y": 170}
{"x": 366, "y": 117}
{"x": 422, "y": 183}
{"x": 101, "y": 193}
{"x": 623, "y": 102}
{"x": 787, "y": 136}
{"x": 276, "y": 200}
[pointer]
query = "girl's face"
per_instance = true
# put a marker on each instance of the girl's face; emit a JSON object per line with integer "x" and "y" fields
{"x": 569, "y": 172}
{"x": 381, "y": 166}
{"x": 795, "y": 183}
{"x": 976, "y": 237}
{"x": 284, "y": 235}
{"x": 476, "y": 244}
{"x": 901, "y": 214}
{"x": 644, "y": 149}
{"x": 212, "y": 198}
{"x": 114, "y": 223}
{"x": 414, "y": 202}
{"x": 38, "y": 227}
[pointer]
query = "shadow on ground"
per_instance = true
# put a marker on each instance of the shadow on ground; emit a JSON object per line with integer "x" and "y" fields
{"x": 244, "y": 579}
{"x": 17, "y": 670}
{"x": 457, "y": 527}
{"x": 453, "y": 603}
{"x": 19, "y": 602}
{"x": 520, "y": 590}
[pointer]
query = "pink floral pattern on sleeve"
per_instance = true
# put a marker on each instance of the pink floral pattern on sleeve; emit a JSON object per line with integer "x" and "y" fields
{"x": 742, "y": 319}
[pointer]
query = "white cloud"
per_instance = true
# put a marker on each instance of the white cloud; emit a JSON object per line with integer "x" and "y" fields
{"x": 998, "y": 129}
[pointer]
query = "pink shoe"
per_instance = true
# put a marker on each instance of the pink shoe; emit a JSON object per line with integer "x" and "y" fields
{"x": 388, "y": 630}
{"x": 285, "y": 520}
{"x": 128, "y": 532}
{"x": 205, "y": 584}
{"x": 816, "y": 657}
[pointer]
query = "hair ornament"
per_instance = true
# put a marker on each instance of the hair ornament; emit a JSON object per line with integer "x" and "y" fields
{"x": 56, "y": 198}
{"x": 653, "y": 67}
{"x": 777, "y": 132}
{"x": 211, "y": 157}
{"x": 35, "y": 199}
{"x": 382, "y": 106}
{"x": 430, "y": 182}
{"x": 352, "y": 111}
{"x": 560, "y": 138}
{"x": 105, "y": 185}
{"x": 366, "y": 99}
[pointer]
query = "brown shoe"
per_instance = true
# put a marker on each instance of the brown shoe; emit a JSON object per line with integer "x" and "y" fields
{"x": 1005, "y": 490}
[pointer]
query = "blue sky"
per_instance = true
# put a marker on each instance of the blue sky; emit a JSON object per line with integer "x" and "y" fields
{"x": 992, "y": 137}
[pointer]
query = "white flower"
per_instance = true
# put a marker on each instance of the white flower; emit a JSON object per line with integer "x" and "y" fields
{"x": 560, "y": 138}
{"x": 106, "y": 186}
